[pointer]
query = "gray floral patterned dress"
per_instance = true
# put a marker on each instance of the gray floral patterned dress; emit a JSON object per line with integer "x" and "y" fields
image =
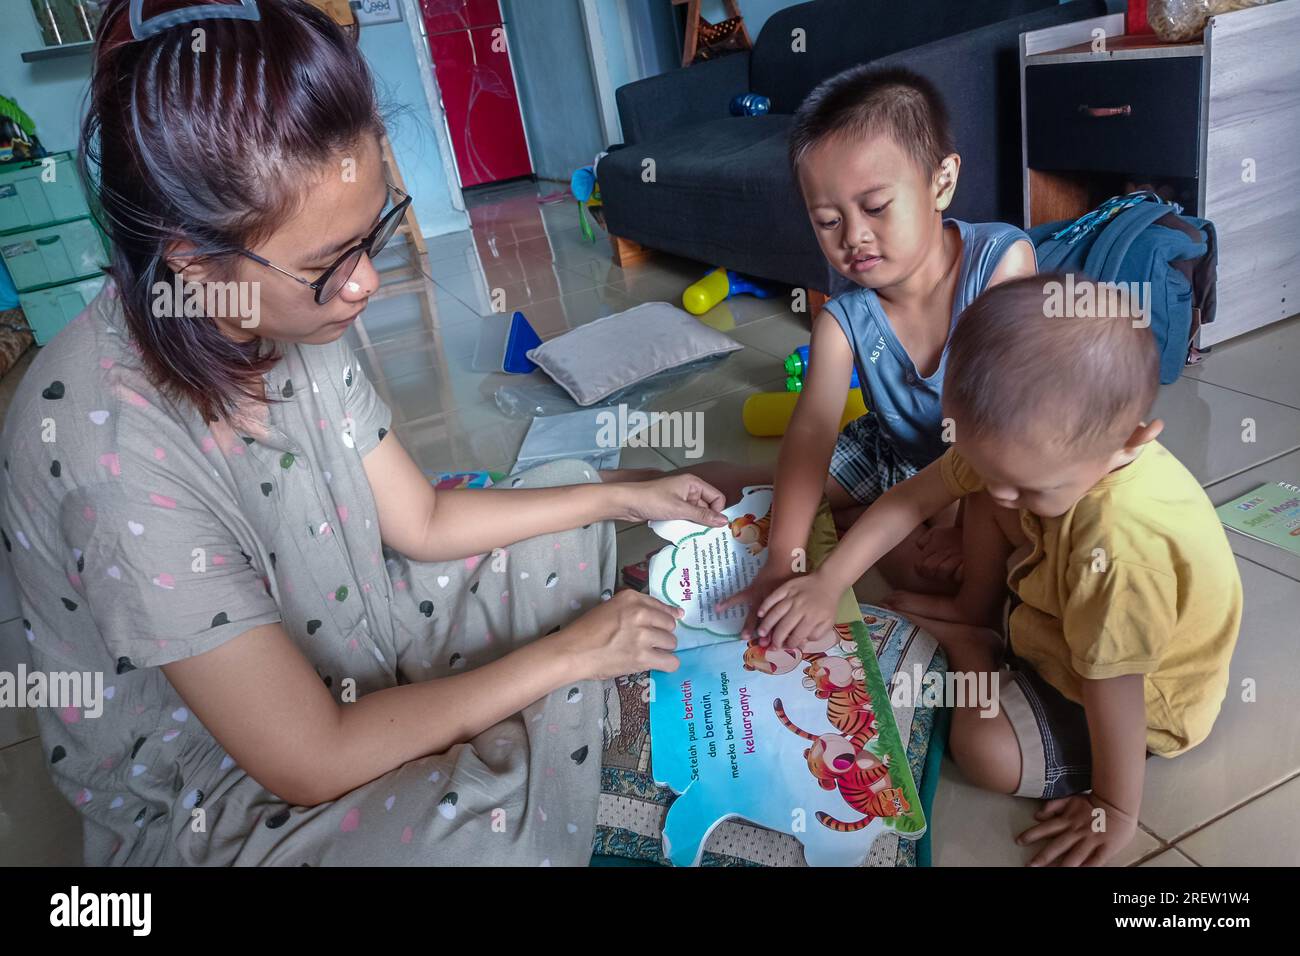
{"x": 141, "y": 535}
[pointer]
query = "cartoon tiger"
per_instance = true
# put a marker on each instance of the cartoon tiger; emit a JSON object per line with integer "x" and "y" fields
{"x": 782, "y": 660}
{"x": 889, "y": 802}
{"x": 752, "y": 531}
{"x": 840, "y": 682}
{"x": 842, "y": 762}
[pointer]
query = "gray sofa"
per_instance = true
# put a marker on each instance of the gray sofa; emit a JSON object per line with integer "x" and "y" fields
{"x": 723, "y": 192}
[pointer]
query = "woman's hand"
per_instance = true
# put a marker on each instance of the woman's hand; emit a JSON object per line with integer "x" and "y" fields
{"x": 797, "y": 611}
{"x": 679, "y": 496}
{"x": 629, "y": 633}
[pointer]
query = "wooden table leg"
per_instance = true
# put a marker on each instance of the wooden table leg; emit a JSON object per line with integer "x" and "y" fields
{"x": 627, "y": 252}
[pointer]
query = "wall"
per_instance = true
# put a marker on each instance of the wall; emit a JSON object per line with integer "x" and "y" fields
{"x": 388, "y": 49}
{"x": 53, "y": 92}
{"x": 548, "y": 50}
{"x": 756, "y": 12}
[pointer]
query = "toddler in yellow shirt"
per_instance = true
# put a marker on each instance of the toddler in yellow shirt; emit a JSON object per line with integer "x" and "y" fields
{"x": 1124, "y": 600}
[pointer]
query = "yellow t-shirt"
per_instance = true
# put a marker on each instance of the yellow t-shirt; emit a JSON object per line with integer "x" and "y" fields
{"x": 1136, "y": 578}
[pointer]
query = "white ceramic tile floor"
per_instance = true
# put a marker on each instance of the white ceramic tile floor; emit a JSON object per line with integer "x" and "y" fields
{"x": 1231, "y": 800}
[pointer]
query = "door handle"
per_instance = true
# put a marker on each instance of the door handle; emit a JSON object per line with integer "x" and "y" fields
{"x": 1100, "y": 112}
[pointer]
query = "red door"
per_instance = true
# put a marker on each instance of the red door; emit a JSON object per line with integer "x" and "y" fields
{"x": 471, "y": 61}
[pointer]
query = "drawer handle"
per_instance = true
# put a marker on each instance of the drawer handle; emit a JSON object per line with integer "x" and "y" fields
{"x": 1103, "y": 111}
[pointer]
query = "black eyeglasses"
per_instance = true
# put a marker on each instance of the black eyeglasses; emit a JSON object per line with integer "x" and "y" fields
{"x": 333, "y": 279}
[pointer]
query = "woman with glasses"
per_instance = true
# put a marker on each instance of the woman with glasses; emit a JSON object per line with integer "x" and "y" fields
{"x": 309, "y": 657}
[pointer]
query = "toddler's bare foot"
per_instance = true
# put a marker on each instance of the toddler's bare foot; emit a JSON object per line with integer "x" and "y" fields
{"x": 941, "y": 556}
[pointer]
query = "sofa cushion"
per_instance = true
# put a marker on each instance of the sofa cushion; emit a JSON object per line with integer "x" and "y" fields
{"x": 839, "y": 34}
{"x": 722, "y": 192}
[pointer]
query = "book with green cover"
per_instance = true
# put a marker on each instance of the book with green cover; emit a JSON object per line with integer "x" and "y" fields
{"x": 1270, "y": 513}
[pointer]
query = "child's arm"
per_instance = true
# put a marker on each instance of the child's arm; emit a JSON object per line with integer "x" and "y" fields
{"x": 804, "y": 607}
{"x": 803, "y": 462}
{"x": 1089, "y": 829}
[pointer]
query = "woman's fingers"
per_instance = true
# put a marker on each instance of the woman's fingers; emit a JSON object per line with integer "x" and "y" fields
{"x": 657, "y": 660}
{"x": 712, "y": 497}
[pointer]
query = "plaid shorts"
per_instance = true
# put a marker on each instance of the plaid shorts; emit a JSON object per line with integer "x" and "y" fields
{"x": 1052, "y": 730}
{"x": 865, "y": 462}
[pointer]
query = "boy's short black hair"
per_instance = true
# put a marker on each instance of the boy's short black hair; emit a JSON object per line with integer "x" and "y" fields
{"x": 864, "y": 101}
{"x": 1022, "y": 362}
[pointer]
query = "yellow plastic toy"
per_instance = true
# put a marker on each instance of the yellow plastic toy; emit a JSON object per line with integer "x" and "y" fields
{"x": 718, "y": 286}
{"x": 767, "y": 414}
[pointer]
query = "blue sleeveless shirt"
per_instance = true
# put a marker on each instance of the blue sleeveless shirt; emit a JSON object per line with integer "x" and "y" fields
{"x": 905, "y": 403}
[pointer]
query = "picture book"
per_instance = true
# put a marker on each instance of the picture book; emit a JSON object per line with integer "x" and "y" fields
{"x": 1270, "y": 513}
{"x": 799, "y": 740}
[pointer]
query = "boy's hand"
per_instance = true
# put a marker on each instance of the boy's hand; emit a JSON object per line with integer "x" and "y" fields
{"x": 797, "y": 611}
{"x": 1079, "y": 835}
{"x": 765, "y": 581}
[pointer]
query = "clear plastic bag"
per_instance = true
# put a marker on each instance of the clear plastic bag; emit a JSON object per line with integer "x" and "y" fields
{"x": 1176, "y": 21}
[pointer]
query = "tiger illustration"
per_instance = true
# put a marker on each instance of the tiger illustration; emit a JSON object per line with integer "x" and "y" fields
{"x": 840, "y": 682}
{"x": 842, "y": 762}
{"x": 889, "y": 802}
{"x": 782, "y": 660}
{"x": 752, "y": 531}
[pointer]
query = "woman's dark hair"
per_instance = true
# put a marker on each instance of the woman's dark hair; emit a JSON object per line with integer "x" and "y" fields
{"x": 864, "y": 101}
{"x": 209, "y": 137}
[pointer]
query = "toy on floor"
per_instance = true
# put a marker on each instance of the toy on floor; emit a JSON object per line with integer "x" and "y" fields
{"x": 718, "y": 285}
{"x": 503, "y": 344}
{"x": 796, "y": 367}
{"x": 586, "y": 190}
{"x": 767, "y": 414}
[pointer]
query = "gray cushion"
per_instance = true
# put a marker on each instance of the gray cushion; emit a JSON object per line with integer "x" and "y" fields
{"x": 603, "y": 357}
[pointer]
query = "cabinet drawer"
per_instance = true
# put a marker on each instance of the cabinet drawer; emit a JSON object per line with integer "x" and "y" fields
{"x": 1122, "y": 116}
{"x": 37, "y": 192}
{"x": 53, "y": 254}
{"x": 50, "y": 310}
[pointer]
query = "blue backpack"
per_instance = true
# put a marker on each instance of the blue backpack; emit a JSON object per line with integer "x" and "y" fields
{"x": 1142, "y": 238}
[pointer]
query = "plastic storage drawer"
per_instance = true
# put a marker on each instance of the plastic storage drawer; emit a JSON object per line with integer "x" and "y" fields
{"x": 53, "y": 254}
{"x": 28, "y": 200}
{"x": 50, "y": 310}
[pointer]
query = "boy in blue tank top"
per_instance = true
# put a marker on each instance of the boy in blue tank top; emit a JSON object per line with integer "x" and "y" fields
{"x": 873, "y": 153}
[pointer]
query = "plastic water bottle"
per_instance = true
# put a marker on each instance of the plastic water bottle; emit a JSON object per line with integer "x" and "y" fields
{"x": 750, "y": 104}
